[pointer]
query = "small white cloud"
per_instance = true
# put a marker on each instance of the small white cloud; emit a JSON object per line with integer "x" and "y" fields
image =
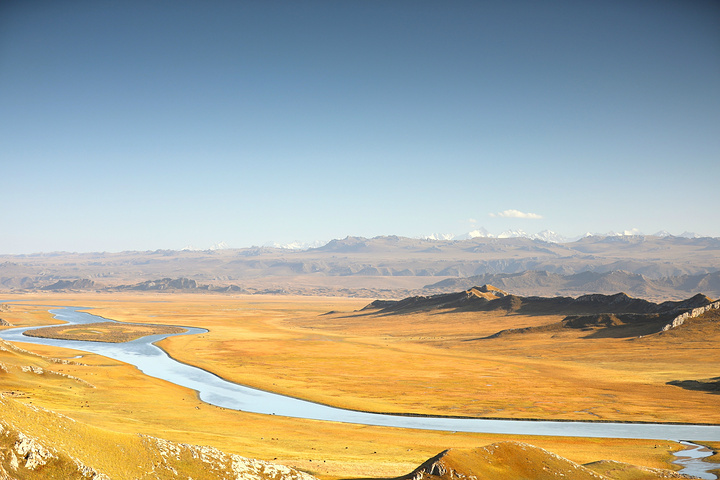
{"x": 472, "y": 220}
{"x": 516, "y": 214}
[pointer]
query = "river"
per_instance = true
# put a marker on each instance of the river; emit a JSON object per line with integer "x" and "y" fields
{"x": 153, "y": 361}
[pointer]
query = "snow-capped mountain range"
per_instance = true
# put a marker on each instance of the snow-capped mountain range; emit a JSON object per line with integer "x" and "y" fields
{"x": 548, "y": 235}
{"x": 544, "y": 235}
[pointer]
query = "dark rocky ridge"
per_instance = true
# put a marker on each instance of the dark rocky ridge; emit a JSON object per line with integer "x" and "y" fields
{"x": 624, "y": 315}
{"x": 547, "y": 283}
{"x": 472, "y": 299}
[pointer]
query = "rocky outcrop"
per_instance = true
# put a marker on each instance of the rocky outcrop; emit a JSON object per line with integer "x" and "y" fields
{"x": 695, "y": 312}
{"x": 29, "y": 457}
{"x": 22, "y": 456}
{"x": 473, "y": 298}
{"x": 33, "y": 453}
{"x": 218, "y": 464}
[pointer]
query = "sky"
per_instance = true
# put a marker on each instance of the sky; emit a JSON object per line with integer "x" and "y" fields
{"x": 143, "y": 125}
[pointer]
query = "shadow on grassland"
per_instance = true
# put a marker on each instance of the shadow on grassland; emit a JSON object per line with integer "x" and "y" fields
{"x": 709, "y": 385}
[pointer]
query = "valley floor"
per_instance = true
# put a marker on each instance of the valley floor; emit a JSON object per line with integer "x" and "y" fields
{"x": 427, "y": 363}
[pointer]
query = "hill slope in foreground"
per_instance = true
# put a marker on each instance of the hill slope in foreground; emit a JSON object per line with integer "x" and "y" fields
{"x": 516, "y": 460}
{"x": 39, "y": 444}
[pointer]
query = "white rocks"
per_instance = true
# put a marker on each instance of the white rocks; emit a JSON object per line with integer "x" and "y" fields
{"x": 221, "y": 463}
{"x": 247, "y": 469}
{"x": 34, "y": 453}
{"x": 695, "y": 312}
{"x": 32, "y": 368}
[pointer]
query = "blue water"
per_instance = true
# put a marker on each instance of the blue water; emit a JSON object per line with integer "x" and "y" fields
{"x": 691, "y": 461}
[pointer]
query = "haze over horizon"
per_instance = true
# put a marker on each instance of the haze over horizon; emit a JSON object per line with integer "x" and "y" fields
{"x": 157, "y": 125}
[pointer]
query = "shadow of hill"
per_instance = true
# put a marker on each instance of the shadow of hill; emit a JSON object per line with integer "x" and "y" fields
{"x": 710, "y": 385}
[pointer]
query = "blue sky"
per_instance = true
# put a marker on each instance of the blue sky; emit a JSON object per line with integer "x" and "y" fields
{"x": 137, "y": 125}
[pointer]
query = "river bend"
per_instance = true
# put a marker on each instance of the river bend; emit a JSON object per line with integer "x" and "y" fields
{"x": 153, "y": 361}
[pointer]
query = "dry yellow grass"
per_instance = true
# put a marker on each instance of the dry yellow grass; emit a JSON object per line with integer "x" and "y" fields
{"x": 435, "y": 363}
{"x": 103, "y": 332}
{"x": 421, "y": 363}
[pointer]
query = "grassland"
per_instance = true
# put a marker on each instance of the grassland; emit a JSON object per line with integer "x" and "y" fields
{"x": 422, "y": 363}
{"x": 111, "y": 332}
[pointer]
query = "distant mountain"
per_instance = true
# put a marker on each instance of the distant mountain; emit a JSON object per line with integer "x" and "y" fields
{"x": 296, "y": 245}
{"x": 549, "y": 235}
{"x": 82, "y": 284}
{"x": 545, "y": 235}
{"x": 534, "y": 282}
{"x": 393, "y": 266}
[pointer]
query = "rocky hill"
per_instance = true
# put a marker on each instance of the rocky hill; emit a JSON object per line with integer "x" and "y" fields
{"x": 490, "y": 298}
{"x": 624, "y": 315}
{"x": 535, "y": 282}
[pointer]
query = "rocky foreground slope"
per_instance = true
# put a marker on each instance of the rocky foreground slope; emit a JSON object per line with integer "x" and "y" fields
{"x": 39, "y": 455}
{"x": 30, "y": 449}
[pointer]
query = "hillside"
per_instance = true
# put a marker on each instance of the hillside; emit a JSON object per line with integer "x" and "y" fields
{"x": 618, "y": 314}
{"x": 40, "y": 444}
{"x": 36, "y": 443}
{"x": 533, "y": 282}
{"x": 515, "y": 460}
{"x": 390, "y": 267}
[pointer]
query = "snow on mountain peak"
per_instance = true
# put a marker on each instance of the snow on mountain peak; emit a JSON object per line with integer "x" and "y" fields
{"x": 514, "y": 234}
{"x": 548, "y": 235}
{"x": 440, "y": 236}
{"x": 219, "y": 246}
{"x": 296, "y": 245}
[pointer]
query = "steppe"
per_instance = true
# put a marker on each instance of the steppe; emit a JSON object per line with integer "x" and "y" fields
{"x": 330, "y": 350}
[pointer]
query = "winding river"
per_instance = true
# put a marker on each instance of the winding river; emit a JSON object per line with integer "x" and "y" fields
{"x": 153, "y": 361}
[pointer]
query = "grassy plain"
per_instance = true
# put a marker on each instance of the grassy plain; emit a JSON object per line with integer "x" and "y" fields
{"x": 423, "y": 363}
{"x": 110, "y": 332}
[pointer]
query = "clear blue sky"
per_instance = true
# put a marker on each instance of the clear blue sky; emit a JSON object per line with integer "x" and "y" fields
{"x": 136, "y": 125}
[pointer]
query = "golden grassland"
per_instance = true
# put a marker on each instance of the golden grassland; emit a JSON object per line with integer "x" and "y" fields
{"x": 111, "y": 332}
{"x": 423, "y": 363}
